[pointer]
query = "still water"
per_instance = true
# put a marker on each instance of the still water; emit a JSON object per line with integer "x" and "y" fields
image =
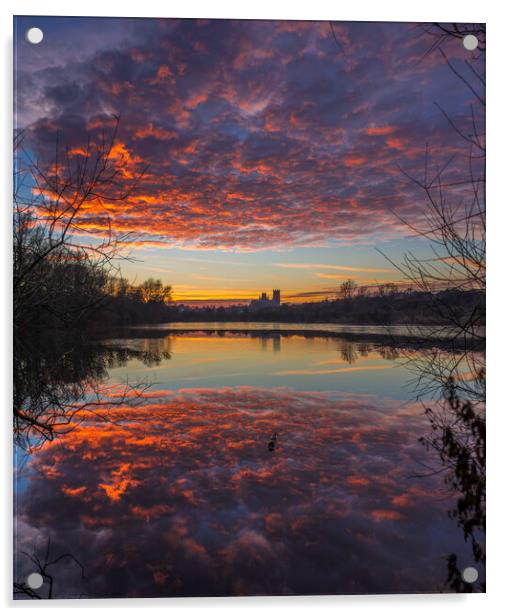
{"x": 241, "y": 463}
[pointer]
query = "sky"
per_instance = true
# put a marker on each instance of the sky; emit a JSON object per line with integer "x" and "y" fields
{"x": 272, "y": 152}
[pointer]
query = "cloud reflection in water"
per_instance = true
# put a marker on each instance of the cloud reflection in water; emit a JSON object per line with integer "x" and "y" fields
{"x": 181, "y": 497}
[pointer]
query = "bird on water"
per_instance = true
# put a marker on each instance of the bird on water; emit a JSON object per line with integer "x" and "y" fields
{"x": 272, "y": 443}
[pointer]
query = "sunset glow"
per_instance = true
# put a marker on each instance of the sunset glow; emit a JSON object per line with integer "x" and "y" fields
{"x": 269, "y": 158}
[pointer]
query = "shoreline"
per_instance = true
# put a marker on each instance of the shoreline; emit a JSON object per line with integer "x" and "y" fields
{"x": 309, "y": 330}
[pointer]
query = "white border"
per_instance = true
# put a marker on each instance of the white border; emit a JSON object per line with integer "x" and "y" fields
{"x": 365, "y": 10}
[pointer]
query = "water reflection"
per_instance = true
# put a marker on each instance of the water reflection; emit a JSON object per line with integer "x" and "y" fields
{"x": 55, "y": 378}
{"x": 271, "y": 343}
{"x": 349, "y": 352}
{"x": 178, "y": 493}
{"x": 458, "y": 430}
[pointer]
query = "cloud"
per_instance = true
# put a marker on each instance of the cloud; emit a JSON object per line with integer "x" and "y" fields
{"x": 180, "y": 496}
{"x": 379, "y": 130}
{"x": 346, "y": 268}
{"x": 256, "y": 134}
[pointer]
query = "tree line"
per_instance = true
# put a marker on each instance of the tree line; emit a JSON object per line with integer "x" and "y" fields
{"x": 66, "y": 271}
{"x": 382, "y": 307}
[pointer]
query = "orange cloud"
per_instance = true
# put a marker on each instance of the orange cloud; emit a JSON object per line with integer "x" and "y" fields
{"x": 162, "y": 74}
{"x": 195, "y": 100}
{"x": 74, "y": 491}
{"x": 400, "y": 501}
{"x": 354, "y": 480}
{"x": 150, "y": 130}
{"x": 385, "y": 514}
{"x": 380, "y": 130}
{"x": 354, "y": 161}
{"x": 78, "y": 151}
{"x": 120, "y": 482}
{"x": 395, "y": 143}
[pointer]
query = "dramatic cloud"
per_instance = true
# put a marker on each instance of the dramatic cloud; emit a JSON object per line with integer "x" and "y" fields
{"x": 255, "y": 134}
{"x": 181, "y": 496}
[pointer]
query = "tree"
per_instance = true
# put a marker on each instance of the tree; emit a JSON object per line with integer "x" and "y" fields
{"x": 454, "y": 224}
{"x": 65, "y": 266}
{"x": 348, "y": 288}
{"x": 62, "y": 261}
{"x": 44, "y": 565}
{"x": 154, "y": 291}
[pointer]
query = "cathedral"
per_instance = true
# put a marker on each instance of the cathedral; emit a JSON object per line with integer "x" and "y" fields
{"x": 264, "y": 302}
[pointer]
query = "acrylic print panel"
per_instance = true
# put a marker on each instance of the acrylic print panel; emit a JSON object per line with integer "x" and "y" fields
{"x": 249, "y": 277}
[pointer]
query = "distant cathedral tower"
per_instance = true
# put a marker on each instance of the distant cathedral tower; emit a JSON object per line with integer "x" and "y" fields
{"x": 264, "y": 302}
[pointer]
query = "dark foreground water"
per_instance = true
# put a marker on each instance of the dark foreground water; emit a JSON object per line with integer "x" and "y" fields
{"x": 179, "y": 489}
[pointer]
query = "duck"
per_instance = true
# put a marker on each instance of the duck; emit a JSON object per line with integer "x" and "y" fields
{"x": 272, "y": 443}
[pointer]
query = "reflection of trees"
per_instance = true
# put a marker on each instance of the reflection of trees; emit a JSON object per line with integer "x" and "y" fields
{"x": 390, "y": 353}
{"x": 458, "y": 436}
{"x": 57, "y": 383}
{"x": 45, "y": 566}
{"x": 55, "y": 379}
{"x": 363, "y": 349}
{"x": 148, "y": 350}
{"x": 349, "y": 352}
{"x": 453, "y": 222}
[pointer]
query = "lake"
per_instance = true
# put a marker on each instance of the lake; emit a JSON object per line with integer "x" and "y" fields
{"x": 235, "y": 460}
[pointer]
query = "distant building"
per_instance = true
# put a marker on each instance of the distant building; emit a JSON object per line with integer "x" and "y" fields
{"x": 264, "y": 302}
